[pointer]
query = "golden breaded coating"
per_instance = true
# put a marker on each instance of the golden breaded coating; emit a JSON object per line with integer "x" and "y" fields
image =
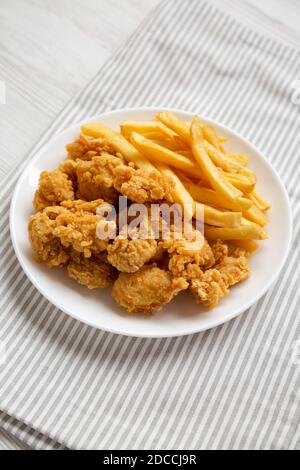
{"x": 186, "y": 262}
{"x": 237, "y": 252}
{"x": 78, "y": 230}
{"x": 234, "y": 269}
{"x": 81, "y": 206}
{"x": 209, "y": 288}
{"x": 54, "y": 187}
{"x": 93, "y": 272}
{"x": 213, "y": 284}
{"x": 96, "y": 178}
{"x": 85, "y": 148}
{"x": 141, "y": 187}
{"x": 130, "y": 255}
{"x": 46, "y": 246}
{"x": 147, "y": 290}
{"x": 220, "y": 250}
{"x": 69, "y": 168}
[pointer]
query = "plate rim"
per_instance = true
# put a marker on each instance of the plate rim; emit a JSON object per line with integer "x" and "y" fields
{"x": 216, "y": 322}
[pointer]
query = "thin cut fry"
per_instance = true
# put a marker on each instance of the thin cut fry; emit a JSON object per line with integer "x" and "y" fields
{"x": 227, "y": 164}
{"x": 209, "y": 196}
{"x": 250, "y": 231}
{"x": 145, "y": 127}
{"x": 175, "y": 144}
{"x": 179, "y": 194}
{"x": 259, "y": 201}
{"x": 242, "y": 159}
{"x": 254, "y": 214}
{"x": 208, "y": 168}
{"x": 242, "y": 182}
{"x": 173, "y": 122}
{"x": 129, "y": 152}
{"x": 164, "y": 155}
{"x": 210, "y": 135}
{"x": 218, "y": 218}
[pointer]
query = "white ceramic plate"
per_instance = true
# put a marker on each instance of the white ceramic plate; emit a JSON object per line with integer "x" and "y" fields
{"x": 182, "y": 316}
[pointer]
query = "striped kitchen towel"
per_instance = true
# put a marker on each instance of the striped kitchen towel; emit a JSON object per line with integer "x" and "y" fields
{"x": 63, "y": 383}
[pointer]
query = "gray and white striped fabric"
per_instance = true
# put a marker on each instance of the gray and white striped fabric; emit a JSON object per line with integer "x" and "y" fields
{"x": 236, "y": 386}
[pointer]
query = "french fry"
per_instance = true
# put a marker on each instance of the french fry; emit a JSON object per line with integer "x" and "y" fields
{"x": 249, "y": 231}
{"x": 227, "y": 164}
{"x": 259, "y": 201}
{"x": 210, "y": 135}
{"x": 220, "y": 160}
{"x": 173, "y": 122}
{"x": 129, "y": 152}
{"x": 208, "y": 168}
{"x": 163, "y": 155}
{"x": 213, "y": 216}
{"x": 179, "y": 194}
{"x": 175, "y": 144}
{"x": 248, "y": 245}
{"x": 241, "y": 182}
{"x": 254, "y": 214}
{"x": 186, "y": 153}
{"x": 209, "y": 196}
{"x": 146, "y": 127}
{"x": 182, "y": 128}
{"x": 242, "y": 159}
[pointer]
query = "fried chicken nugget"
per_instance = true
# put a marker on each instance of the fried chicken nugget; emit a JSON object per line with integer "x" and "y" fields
{"x": 77, "y": 227}
{"x": 96, "y": 178}
{"x": 214, "y": 283}
{"x": 85, "y": 148}
{"x": 141, "y": 187}
{"x": 54, "y": 187}
{"x": 147, "y": 290}
{"x": 130, "y": 255}
{"x": 46, "y": 246}
{"x": 220, "y": 250}
{"x": 93, "y": 272}
{"x": 69, "y": 168}
{"x": 188, "y": 264}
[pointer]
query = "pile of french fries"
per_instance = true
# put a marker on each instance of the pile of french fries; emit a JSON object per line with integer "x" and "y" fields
{"x": 204, "y": 173}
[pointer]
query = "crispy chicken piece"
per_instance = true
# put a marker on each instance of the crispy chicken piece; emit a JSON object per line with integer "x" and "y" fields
{"x": 141, "y": 187}
{"x": 134, "y": 246}
{"x": 188, "y": 258}
{"x": 237, "y": 252}
{"x": 147, "y": 290}
{"x": 214, "y": 283}
{"x": 85, "y": 148}
{"x": 78, "y": 205}
{"x": 46, "y": 246}
{"x": 54, "y": 187}
{"x": 96, "y": 178}
{"x": 94, "y": 272}
{"x": 69, "y": 167}
{"x": 209, "y": 287}
{"x": 130, "y": 255}
{"x": 77, "y": 227}
{"x": 220, "y": 250}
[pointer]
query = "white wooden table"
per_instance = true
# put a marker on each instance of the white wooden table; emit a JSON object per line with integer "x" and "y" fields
{"x": 50, "y": 48}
